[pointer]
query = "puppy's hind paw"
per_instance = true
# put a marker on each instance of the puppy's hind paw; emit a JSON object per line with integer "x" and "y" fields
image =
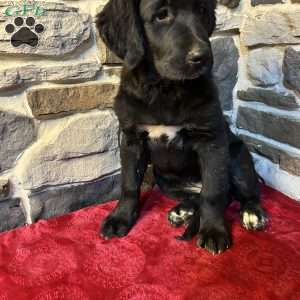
{"x": 180, "y": 215}
{"x": 253, "y": 218}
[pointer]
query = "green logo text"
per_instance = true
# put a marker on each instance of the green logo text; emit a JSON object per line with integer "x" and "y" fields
{"x": 24, "y": 10}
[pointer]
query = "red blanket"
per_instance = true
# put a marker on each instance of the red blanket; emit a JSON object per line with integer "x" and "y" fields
{"x": 64, "y": 259}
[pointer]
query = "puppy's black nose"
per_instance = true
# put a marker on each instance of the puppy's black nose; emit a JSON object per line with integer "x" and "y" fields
{"x": 196, "y": 56}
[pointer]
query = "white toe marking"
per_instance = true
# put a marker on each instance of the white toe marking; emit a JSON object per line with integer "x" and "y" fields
{"x": 246, "y": 218}
{"x": 254, "y": 220}
{"x": 250, "y": 220}
{"x": 182, "y": 213}
{"x": 185, "y": 213}
{"x": 174, "y": 215}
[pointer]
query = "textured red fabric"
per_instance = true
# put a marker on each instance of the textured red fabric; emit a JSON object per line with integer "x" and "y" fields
{"x": 64, "y": 259}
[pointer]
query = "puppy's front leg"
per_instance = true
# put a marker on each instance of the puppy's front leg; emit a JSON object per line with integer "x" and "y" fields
{"x": 214, "y": 160}
{"x": 134, "y": 161}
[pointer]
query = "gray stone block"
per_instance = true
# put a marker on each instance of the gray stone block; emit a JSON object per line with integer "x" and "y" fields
{"x": 279, "y": 128}
{"x": 78, "y": 149}
{"x": 13, "y": 77}
{"x": 58, "y": 200}
{"x": 261, "y": 148}
{"x": 4, "y": 189}
{"x": 264, "y": 66}
{"x": 227, "y": 20}
{"x": 291, "y": 69}
{"x": 11, "y": 214}
{"x": 225, "y": 69}
{"x": 269, "y": 97}
{"x": 258, "y": 2}
{"x": 287, "y": 161}
{"x": 17, "y": 132}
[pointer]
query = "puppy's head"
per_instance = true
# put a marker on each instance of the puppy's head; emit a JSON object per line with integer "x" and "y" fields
{"x": 173, "y": 35}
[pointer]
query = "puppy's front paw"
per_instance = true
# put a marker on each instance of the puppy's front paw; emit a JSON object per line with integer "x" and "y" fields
{"x": 214, "y": 240}
{"x": 230, "y": 3}
{"x": 253, "y": 218}
{"x": 116, "y": 226}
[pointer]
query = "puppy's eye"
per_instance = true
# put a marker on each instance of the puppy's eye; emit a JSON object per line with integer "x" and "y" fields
{"x": 163, "y": 15}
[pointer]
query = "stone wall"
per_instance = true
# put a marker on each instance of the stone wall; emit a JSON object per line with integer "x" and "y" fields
{"x": 266, "y": 99}
{"x": 59, "y": 136}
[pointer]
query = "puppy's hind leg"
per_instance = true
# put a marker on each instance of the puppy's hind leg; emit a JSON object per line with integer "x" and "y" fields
{"x": 186, "y": 213}
{"x": 245, "y": 187}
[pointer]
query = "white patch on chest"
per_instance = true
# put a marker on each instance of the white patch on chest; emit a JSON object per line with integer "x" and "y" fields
{"x": 156, "y": 131}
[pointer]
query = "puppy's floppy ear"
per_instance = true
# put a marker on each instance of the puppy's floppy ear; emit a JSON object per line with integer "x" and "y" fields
{"x": 121, "y": 30}
{"x": 210, "y": 16}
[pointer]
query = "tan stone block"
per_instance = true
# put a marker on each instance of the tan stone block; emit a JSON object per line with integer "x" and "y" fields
{"x": 49, "y": 103}
{"x": 290, "y": 164}
{"x": 271, "y": 27}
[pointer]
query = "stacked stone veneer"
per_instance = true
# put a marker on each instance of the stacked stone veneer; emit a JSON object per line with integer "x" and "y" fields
{"x": 59, "y": 136}
{"x": 266, "y": 110}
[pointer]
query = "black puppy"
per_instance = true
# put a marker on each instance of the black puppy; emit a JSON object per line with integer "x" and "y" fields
{"x": 170, "y": 116}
